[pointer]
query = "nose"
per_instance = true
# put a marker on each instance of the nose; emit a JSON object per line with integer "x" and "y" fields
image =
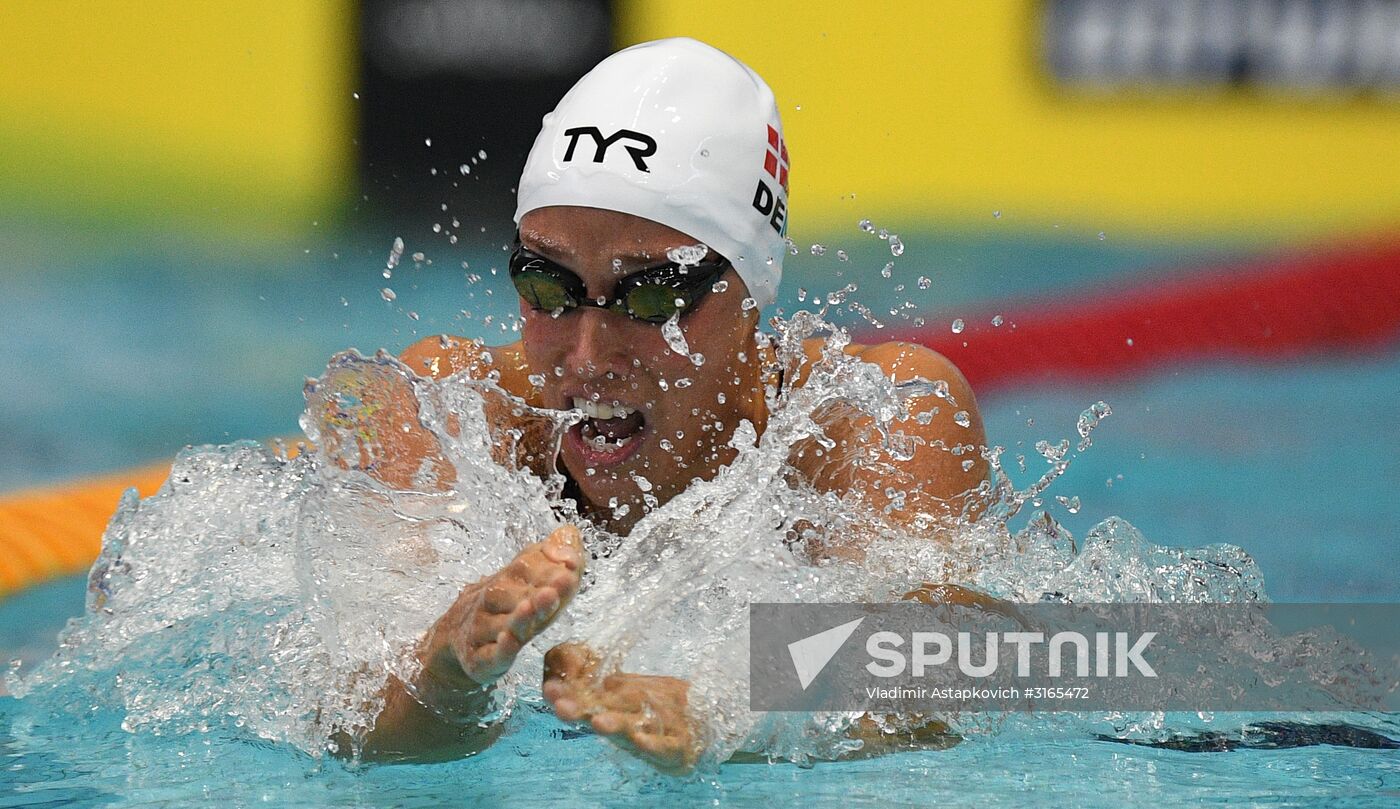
{"x": 599, "y": 345}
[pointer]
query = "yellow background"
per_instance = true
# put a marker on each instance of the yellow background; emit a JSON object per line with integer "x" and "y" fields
{"x": 940, "y": 108}
{"x": 206, "y": 111}
{"x": 239, "y": 113}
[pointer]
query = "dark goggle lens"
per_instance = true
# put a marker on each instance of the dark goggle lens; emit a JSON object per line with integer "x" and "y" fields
{"x": 656, "y": 303}
{"x": 542, "y": 290}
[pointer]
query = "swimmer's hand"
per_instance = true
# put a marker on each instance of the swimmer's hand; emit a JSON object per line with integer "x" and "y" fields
{"x": 493, "y": 620}
{"x": 437, "y": 717}
{"x": 955, "y": 595}
{"x": 649, "y": 716}
{"x": 958, "y": 596}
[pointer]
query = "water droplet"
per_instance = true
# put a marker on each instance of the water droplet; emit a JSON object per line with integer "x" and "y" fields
{"x": 896, "y": 246}
{"x": 536, "y": 379}
{"x": 840, "y": 295}
{"x": 865, "y": 225}
{"x": 688, "y": 255}
{"x": 818, "y": 250}
{"x": 675, "y": 339}
{"x": 427, "y": 141}
{"x": 1102, "y": 236}
{"x": 1071, "y": 504}
{"x": 395, "y": 253}
{"x": 387, "y": 294}
{"x": 996, "y": 214}
{"x": 1130, "y": 342}
{"x": 888, "y": 270}
{"x": 749, "y": 303}
{"x": 1088, "y": 420}
{"x": 719, "y": 286}
{"x": 801, "y": 294}
{"x": 841, "y": 255}
{"x": 412, "y": 315}
{"x": 962, "y": 419}
{"x": 958, "y": 325}
{"x": 1052, "y": 453}
{"x": 925, "y": 282}
{"x": 418, "y": 257}
{"x": 996, "y": 320}
{"x": 481, "y": 153}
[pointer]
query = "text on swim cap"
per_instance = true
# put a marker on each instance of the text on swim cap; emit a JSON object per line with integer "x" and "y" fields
{"x": 601, "y": 144}
{"x": 768, "y": 203}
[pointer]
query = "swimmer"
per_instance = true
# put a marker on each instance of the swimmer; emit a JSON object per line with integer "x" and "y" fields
{"x": 655, "y": 197}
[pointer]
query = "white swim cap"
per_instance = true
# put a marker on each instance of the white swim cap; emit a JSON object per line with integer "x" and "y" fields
{"x": 680, "y": 133}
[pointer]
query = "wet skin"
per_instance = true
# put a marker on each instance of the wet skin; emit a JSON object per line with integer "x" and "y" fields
{"x": 605, "y": 356}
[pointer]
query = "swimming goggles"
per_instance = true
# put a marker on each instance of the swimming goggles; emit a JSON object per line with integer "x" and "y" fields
{"x": 655, "y": 294}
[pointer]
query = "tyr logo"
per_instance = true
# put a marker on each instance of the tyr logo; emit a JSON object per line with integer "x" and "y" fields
{"x": 601, "y": 144}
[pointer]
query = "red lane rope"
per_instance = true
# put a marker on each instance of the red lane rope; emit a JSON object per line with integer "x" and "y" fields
{"x": 1293, "y": 305}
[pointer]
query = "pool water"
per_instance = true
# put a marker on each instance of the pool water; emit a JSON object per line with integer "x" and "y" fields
{"x": 1297, "y": 463}
{"x": 540, "y": 764}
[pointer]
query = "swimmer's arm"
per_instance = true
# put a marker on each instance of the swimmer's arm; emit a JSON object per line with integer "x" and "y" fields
{"x": 407, "y": 729}
{"x": 934, "y": 481}
{"x": 442, "y": 355}
{"x": 520, "y": 438}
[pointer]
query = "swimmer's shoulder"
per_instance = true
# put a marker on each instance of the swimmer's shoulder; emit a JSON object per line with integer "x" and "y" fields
{"x": 904, "y": 360}
{"x": 441, "y": 356}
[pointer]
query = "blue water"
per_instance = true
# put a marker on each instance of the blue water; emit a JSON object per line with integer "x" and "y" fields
{"x": 118, "y": 352}
{"x": 539, "y": 765}
{"x": 123, "y": 356}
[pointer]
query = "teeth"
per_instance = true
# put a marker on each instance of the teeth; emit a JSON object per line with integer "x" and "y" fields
{"x": 602, "y": 444}
{"x": 602, "y": 410}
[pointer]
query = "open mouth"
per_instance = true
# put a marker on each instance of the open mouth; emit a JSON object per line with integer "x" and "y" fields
{"x": 609, "y": 433}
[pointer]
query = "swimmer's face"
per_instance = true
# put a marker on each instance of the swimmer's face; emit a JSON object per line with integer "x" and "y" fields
{"x": 681, "y": 415}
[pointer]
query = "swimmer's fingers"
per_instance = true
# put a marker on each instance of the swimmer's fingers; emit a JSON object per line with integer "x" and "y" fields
{"x": 569, "y": 681}
{"x": 563, "y": 548}
{"x": 649, "y": 717}
{"x": 484, "y": 659}
{"x": 553, "y": 564}
{"x": 645, "y": 715}
{"x": 573, "y": 700}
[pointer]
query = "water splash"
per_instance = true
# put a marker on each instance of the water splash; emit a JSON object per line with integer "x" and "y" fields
{"x": 675, "y": 340}
{"x": 688, "y": 255}
{"x": 277, "y": 595}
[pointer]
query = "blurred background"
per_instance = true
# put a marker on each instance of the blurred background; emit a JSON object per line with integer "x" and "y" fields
{"x": 1189, "y": 209}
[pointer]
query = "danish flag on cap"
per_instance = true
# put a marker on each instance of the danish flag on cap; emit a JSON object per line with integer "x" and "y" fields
{"x": 776, "y": 161}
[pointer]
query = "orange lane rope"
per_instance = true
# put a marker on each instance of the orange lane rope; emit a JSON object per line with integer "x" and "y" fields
{"x": 57, "y": 531}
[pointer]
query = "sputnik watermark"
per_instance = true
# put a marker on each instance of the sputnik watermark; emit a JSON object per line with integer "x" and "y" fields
{"x": 1202, "y": 657}
{"x": 890, "y": 661}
